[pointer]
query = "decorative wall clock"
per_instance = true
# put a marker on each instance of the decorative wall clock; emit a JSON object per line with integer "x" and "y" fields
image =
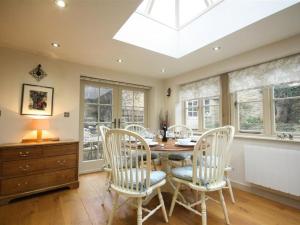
{"x": 38, "y": 73}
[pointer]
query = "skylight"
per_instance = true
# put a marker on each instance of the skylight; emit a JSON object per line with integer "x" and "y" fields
{"x": 178, "y": 27}
{"x": 175, "y": 13}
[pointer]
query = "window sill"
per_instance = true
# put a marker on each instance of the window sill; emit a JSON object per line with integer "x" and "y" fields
{"x": 265, "y": 138}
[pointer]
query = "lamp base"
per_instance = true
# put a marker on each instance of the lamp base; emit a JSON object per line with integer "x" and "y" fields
{"x": 32, "y": 140}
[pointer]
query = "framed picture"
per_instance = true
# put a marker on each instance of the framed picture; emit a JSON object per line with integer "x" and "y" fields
{"x": 37, "y": 100}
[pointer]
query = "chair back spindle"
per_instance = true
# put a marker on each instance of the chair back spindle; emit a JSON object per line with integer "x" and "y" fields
{"x": 210, "y": 156}
{"x": 179, "y": 131}
{"x": 126, "y": 150}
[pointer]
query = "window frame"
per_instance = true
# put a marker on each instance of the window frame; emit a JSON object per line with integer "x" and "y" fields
{"x": 269, "y": 123}
{"x": 201, "y": 112}
{"x": 273, "y": 119}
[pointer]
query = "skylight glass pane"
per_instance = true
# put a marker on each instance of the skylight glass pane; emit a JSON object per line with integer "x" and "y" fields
{"x": 190, "y": 9}
{"x": 164, "y": 12}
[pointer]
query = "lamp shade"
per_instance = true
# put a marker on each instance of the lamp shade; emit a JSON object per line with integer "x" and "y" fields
{"x": 40, "y": 124}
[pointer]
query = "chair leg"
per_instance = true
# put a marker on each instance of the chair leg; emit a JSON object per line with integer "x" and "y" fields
{"x": 163, "y": 208}
{"x": 224, "y": 206}
{"x": 203, "y": 209}
{"x": 139, "y": 211}
{"x": 174, "y": 199}
{"x": 229, "y": 187}
{"x": 154, "y": 164}
{"x": 115, "y": 205}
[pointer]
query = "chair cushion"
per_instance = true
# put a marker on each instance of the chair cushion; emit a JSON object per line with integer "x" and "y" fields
{"x": 155, "y": 176}
{"x": 153, "y": 156}
{"x": 186, "y": 173}
{"x": 179, "y": 156}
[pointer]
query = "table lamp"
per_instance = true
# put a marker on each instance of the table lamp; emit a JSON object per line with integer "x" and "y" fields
{"x": 39, "y": 125}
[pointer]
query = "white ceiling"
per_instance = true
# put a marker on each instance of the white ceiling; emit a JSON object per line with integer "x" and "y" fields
{"x": 85, "y": 30}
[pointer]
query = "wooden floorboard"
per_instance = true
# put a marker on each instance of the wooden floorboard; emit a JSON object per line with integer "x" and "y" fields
{"x": 82, "y": 206}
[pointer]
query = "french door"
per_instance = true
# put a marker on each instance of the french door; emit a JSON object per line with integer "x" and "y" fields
{"x": 114, "y": 106}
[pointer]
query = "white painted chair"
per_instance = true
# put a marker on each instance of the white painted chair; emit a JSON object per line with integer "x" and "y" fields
{"x": 107, "y": 168}
{"x": 143, "y": 132}
{"x": 228, "y": 169}
{"x": 179, "y": 131}
{"x": 205, "y": 174}
{"x": 130, "y": 178}
{"x": 137, "y": 129}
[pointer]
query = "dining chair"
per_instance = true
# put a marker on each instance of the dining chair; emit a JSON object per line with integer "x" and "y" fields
{"x": 143, "y": 132}
{"x": 228, "y": 167}
{"x": 205, "y": 174}
{"x": 179, "y": 131}
{"x": 130, "y": 178}
{"x": 107, "y": 167}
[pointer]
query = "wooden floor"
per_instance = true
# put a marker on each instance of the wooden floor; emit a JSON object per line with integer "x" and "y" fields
{"x": 83, "y": 207}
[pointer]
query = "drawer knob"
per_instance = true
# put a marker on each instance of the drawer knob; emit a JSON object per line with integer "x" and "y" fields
{"x": 24, "y": 168}
{"x": 61, "y": 162}
{"x": 23, "y": 154}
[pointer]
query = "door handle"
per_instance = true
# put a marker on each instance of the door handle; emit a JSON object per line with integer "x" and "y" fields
{"x": 119, "y": 123}
{"x": 115, "y": 123}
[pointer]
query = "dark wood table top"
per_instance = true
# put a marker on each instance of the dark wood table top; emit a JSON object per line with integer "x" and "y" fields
{"x": 170, "y": 147}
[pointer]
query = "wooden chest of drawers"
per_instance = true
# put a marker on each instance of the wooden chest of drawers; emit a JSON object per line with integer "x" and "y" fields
{"x": 32, "y": 168}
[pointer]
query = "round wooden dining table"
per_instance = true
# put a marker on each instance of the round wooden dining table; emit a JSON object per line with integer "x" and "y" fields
{"x": 164, "y": 149}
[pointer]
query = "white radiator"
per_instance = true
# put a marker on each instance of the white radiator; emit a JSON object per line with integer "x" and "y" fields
{"x": 274, "y": 168}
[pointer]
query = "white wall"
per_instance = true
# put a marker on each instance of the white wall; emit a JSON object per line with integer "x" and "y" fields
{"x": 266, "y": 53}
{"x": 65, "y": 78}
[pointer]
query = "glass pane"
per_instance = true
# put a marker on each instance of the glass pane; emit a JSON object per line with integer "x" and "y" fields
{"x": 287, "y": 115}
{"x": 164, "y": 12}
{"x": 92, "y": 145}
{"x": 105, "y": 113}
{"x": 288, "y": 90}
{"x": 138, "y": 99}
{"x": 191, "y": 119}
{"x": 190, "y": 9}
{"x": 91, "y": 94}
{"x": 127, "y": 114}
{"x": 106, "y": 96}
{"x": 138, "y": 115}
{"x": 127, "y": 98}
{"x": 211, "y": 117}
{"x": 249, "y": 95}
{"x": 251, "y": 116}
{"x": 90, "y": 113}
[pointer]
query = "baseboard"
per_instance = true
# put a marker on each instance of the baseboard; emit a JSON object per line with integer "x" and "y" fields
{"x": 89, "y": 171}
{"x": 276, "y": 196}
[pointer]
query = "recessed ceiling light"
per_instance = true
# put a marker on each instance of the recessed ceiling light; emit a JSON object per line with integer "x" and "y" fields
{"x": 163, "y": 70}
{"x": 60, "y": 3}
{"x": 216, "y": 48}
{"x": 55, "y": 45}
{"x": 120, "y": 60}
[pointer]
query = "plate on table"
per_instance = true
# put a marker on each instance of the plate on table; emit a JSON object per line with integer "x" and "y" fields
{"x": 153, "y": 143}
{"x": 188, "y": 144}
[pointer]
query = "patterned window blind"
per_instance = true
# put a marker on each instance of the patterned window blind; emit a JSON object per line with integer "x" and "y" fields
{"x": 280, "y": 71}
{"x": 201, "y": 89}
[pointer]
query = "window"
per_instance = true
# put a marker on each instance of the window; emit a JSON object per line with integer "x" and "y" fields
{"x": 249, "y": 106}
{"x": 286, "y": 105}
{"x": 133, "y": 107}
{"x": 97, "y": 111}
{"x": 211, "y": 113}
{"x": 206, "y": 118}
{"x": 191, "y": 114}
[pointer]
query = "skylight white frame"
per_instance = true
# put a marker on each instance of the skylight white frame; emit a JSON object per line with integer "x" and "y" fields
{"x": 177, "y": 27}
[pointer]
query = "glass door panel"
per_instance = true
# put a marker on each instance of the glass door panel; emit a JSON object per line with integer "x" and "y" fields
{"x": 132, "y": 107}
{"x": 98, "y": 110}
{"x": 109, "y": 105}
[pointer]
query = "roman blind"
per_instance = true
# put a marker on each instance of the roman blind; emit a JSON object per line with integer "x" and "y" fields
{"x": 276, "y": 72}
{"x": 200, "y": 89}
